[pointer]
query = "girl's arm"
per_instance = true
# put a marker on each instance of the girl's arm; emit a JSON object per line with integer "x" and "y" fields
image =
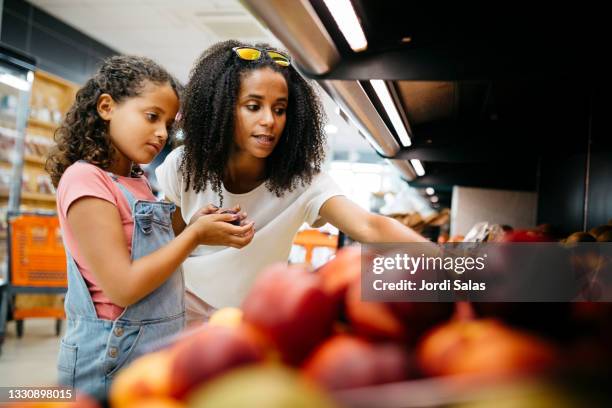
{"x": 96, "y": 227}
{"x": 364, "y": 226}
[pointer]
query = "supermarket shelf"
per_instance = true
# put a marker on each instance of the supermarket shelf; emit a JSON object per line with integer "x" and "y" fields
{"x": 31, "y": 197}
{"x": 35, "y": 159}
{"x": 37, "y": 197}
{"x": 42, "y": 124}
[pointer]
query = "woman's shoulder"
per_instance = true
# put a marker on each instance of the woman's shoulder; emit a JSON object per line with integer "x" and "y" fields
{"x": 175, "y": 155}
{"x": 320, "y": 180}
{"x": 171, "y": 163}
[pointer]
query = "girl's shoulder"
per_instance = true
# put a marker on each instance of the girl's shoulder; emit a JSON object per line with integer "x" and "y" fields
{"x": 84, "y": 176}
{"x": 83, "y": 179}
{"x": 81, "y": 171}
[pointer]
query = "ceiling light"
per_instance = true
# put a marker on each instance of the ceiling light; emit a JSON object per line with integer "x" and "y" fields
{"x": 15, "y": 82}
{"x": 385, "y": 98}
{"x": 331, "y": 129}
{"x": 430, "y": 191}
{"x": 434, "y": 199}
{"x": 418, "y": 167}
{"x": 344, "y": 14}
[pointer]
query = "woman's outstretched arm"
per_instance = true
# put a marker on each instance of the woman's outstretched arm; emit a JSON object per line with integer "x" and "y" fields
{"x": 364, "y": 226}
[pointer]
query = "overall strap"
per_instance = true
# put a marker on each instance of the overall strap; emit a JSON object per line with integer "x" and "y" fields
{"x": 128, "y": 195}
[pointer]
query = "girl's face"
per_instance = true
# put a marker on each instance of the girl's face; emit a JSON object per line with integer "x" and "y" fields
{"x": 260, "y": 112}
{"x": 138, "y": 126}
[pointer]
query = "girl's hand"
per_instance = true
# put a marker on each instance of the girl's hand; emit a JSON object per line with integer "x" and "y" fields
{"x": 215, "y": 229}
{"x": 213, "y": 209}
{"x": 209, "y": 209}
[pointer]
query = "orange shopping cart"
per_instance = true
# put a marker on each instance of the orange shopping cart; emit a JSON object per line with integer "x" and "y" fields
{"x": 37, "y": 265}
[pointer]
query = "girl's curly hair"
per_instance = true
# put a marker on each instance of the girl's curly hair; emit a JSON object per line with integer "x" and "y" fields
{"x": 207, "y": 122}
{"x": 83, "y": 134}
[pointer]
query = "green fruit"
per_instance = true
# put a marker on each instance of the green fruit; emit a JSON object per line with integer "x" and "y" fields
{"x": 267, "y": 386}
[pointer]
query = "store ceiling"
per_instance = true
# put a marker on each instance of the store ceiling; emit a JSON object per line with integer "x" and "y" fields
{"x": 175, "y": 33}
{"x": 482, "y": 92}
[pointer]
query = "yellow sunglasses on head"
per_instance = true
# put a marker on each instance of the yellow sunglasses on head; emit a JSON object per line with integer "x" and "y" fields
{"x": 253, "y": 54}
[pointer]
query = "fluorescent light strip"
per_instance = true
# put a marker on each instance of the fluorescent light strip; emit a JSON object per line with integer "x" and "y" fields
{"x": 418, "y": 167}
{"x": 329, "y": 128}
{"x": 385, "y": 98}
{"x": 344, "y": 14}
{"x": 15, "y": 82}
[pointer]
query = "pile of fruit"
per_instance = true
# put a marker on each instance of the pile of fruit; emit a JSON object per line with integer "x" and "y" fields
{"x": 301, "y": 337}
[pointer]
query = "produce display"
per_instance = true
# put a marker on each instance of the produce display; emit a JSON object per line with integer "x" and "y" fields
{"x": 307, "y": 336}
{"x": 304, "y": 338}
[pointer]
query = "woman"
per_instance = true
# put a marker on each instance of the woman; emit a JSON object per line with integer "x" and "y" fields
{"x": 253, "y": 131}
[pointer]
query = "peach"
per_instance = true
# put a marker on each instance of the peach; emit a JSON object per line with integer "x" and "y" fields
{"x": 373, "y": 320}
{"x": 338, "y": 274}
{"x": 208, "y": 352}
{"x": 81, "y": 401}
{"x": 262, "y": 385}
{"x": 159, "y": 403}
{"x": 482, "y": 346}
{"x": 345, "y": 361}
{"x": 289, "y": 307}
{"x": 418, "y": 317}
{"x": 146, "y": 377}
{"x": 226, "y": 317}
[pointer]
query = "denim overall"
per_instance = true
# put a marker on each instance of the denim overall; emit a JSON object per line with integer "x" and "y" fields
{"x": 93, "y": 350}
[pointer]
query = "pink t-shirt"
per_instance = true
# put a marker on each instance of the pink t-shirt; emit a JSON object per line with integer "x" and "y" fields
{"x": 86, "y": 180}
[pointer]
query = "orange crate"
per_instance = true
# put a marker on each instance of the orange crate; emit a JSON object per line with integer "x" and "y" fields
{"x": 37, "y": 252}
{"x": 312, "y": 238}
{"x": 53, "y": 312}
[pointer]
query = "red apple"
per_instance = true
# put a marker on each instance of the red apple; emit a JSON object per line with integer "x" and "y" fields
{"x": 288, "y": 306}
{"x": 348, "y": 362}
{"x": 526, "y": 236}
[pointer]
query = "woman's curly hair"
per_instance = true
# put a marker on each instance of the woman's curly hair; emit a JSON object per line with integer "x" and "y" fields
{"x": 83, "y": 134}
{"x": 208, "y": 120}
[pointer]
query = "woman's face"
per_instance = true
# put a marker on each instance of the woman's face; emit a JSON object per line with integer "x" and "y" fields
{"x": 261, "y": 112}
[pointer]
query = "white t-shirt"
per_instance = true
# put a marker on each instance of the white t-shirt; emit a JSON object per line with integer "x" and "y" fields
{"x": 221, "y": 275}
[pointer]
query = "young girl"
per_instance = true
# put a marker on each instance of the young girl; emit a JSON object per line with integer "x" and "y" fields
{"x": 253, "y": 131}
{"x": 125, "y": 284}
